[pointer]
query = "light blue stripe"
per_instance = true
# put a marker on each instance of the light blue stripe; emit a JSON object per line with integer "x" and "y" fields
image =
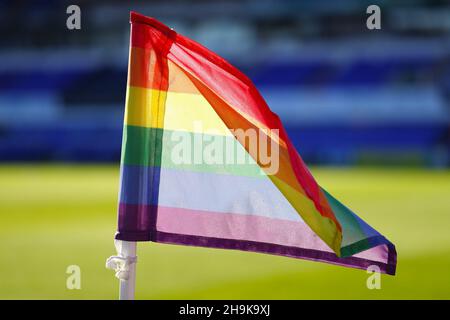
{"x": 207, "y": 191}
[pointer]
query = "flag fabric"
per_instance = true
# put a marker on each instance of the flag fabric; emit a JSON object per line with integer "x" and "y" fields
{"x": 191, "y": 175}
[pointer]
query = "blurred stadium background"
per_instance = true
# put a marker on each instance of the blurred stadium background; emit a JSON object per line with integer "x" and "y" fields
{"x": 351, "y": 98}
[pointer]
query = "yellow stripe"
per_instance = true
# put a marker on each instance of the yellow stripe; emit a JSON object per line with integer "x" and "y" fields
{"x": 183, "y": 112}
{"x": 141, "y": 107}
{"x": 324, "y": 227}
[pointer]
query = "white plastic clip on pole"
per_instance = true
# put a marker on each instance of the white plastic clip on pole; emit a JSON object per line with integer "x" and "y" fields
{"x": 125, "y": 266}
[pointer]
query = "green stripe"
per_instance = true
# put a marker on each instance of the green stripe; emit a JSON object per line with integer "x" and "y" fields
{"x": 139, "y": 148}
{"x": 357, "y": 235}
{"x": 363, "y": 245}
{"x": 351, "y": 229}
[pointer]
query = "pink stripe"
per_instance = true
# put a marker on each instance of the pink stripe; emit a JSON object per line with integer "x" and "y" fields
{"x": 238, "y": 226}
{"x": 378, "y": 253}
{"x": 249, "y": 228}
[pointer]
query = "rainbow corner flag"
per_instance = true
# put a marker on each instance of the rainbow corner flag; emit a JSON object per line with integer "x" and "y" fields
{"x": 205, "y": 162}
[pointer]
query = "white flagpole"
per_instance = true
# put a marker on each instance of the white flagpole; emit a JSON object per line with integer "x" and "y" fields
{"x": 127, "y": 286}
{"x": 125, "y": 266}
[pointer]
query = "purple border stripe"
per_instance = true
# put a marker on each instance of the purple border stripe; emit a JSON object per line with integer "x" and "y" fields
{"x": 308, "y": 254}
{"x": 269, "y": 248}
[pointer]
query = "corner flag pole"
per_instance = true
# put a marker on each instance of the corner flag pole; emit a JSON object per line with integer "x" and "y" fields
{"x": 125, "y": 266}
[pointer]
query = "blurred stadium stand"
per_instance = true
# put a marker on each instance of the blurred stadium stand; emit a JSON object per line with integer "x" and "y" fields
{"x": 347, "y": 94}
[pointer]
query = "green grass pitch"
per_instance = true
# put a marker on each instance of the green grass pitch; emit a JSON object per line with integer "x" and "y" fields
{"x": 55, "y": 216}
